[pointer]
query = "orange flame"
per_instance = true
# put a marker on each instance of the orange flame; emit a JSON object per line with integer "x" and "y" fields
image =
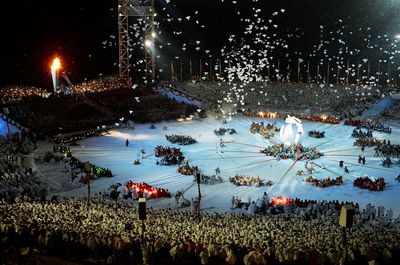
{"x": 56, "y": 64}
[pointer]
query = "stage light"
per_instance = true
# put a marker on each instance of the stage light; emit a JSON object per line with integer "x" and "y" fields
{"x": 148, "y": 43}
{"x": 153, "y": 34}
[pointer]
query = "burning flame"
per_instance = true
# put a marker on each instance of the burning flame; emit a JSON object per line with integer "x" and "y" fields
{"x": 279, "y": 200}
{"x": 56, "y": 64}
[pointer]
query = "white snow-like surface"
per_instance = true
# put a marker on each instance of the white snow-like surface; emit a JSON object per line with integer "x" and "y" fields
{"x": 241, "y": 156}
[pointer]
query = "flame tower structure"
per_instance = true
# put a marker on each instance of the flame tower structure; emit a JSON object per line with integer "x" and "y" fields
{"x": 55, "y": 67}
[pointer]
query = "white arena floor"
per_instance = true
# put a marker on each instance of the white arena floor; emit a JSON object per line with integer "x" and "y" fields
{"x": 240, "y": 156}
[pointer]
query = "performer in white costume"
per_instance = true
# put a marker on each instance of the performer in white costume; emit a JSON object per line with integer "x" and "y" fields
{"x": 286, "y": 132}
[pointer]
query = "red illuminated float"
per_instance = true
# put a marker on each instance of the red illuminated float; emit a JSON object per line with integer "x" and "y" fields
{"x": 170, "y": 156}
{"x": 370, "y": 184}
{"x": 145, "y": 190}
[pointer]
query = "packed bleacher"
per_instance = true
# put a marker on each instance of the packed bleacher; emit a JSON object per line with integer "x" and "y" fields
{"x": 94, "y": 104}
{"x": 336, "y": 100}
{"x": 14, "y": 94}
{"x": 104, "y": 83}
{"x": 305, "y": 232}
{"x": 17, "y": 180}
{"x": 392, "y": 114}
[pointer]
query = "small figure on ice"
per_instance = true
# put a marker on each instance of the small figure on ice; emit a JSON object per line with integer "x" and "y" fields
{"x": 221, "y": 143}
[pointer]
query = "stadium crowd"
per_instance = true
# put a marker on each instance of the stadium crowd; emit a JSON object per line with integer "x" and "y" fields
{"x": 98, "y": 103}
{"x": 14, "y": 94}
{"x": 392, "y": 114}
{"x": 286, "y": 97}
{"x": 17, "y": 180}
{"x": 111, "y": 230}
{"x": 104, "y": 83}
{"x": 303, "y": 233}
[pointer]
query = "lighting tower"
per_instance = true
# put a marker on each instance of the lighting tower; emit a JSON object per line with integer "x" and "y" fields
{"x": 150, "y": 38}
{"x": 136, "y": 8}
{"x": 123, "y": 39}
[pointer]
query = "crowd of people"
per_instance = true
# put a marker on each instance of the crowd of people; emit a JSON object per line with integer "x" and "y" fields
{"x": 323, "y": 183}
{"x": 188, "y": 170}
{"x": 15, "y": 94}
{"x": 18, "y": 182}
{"x": 280, "y": 151}
{"x": 170, "y": 156}
{"x": 209, "y": 179}
{"x": 336, "y": 100}
{"x": 104, "y": 83}
{"x": 362, "y": 134}
{"x": 246, "y": 180}
{"x": 315, "y": 118}
{"x": 392, "y": 114}
{"x": 258, "y": 206}
{"x": 58, "y": 114}
{"x": 206, "y": 92}
{"x": 267, "y": 131}
{"x": 316, "y": 134}
{"x": 370, "y": 184}
{"x": 382, "y": 147}
{"x": 180, "y": 139}
{"x": 368, "y": 124}
{"x": 320, "y": 118}
{"x": 385, "y": 148}
{"x": 387, "y": 162}
{"x": 94, "y": 104}
{"x": 111, "y": 231}
{"x": 223, "y": 131}
{"x": 99, "y": 227}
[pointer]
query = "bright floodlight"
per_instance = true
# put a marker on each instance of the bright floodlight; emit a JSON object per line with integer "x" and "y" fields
{"x": 148, "y": 43}
{"x": 153, "y": 34}
{"x": 397, "y": 36}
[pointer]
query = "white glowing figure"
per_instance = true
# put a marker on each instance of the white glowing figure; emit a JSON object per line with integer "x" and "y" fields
{"x": 287, "y": 134}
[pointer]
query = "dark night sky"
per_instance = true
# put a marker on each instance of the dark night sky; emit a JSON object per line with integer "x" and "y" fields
{"x": 32, "y": 32}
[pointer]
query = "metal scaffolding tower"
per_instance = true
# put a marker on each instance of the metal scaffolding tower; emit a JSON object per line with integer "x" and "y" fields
{"x": 136, "y": 8}
{"x": 123, "y": 39}
{"x": 150, "y": 49}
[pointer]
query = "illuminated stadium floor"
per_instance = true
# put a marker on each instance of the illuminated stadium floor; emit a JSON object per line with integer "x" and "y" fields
{"x": 241, "y": 156}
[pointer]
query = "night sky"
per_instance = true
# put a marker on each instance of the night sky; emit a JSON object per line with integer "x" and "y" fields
{"x": 84, "y": 33}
